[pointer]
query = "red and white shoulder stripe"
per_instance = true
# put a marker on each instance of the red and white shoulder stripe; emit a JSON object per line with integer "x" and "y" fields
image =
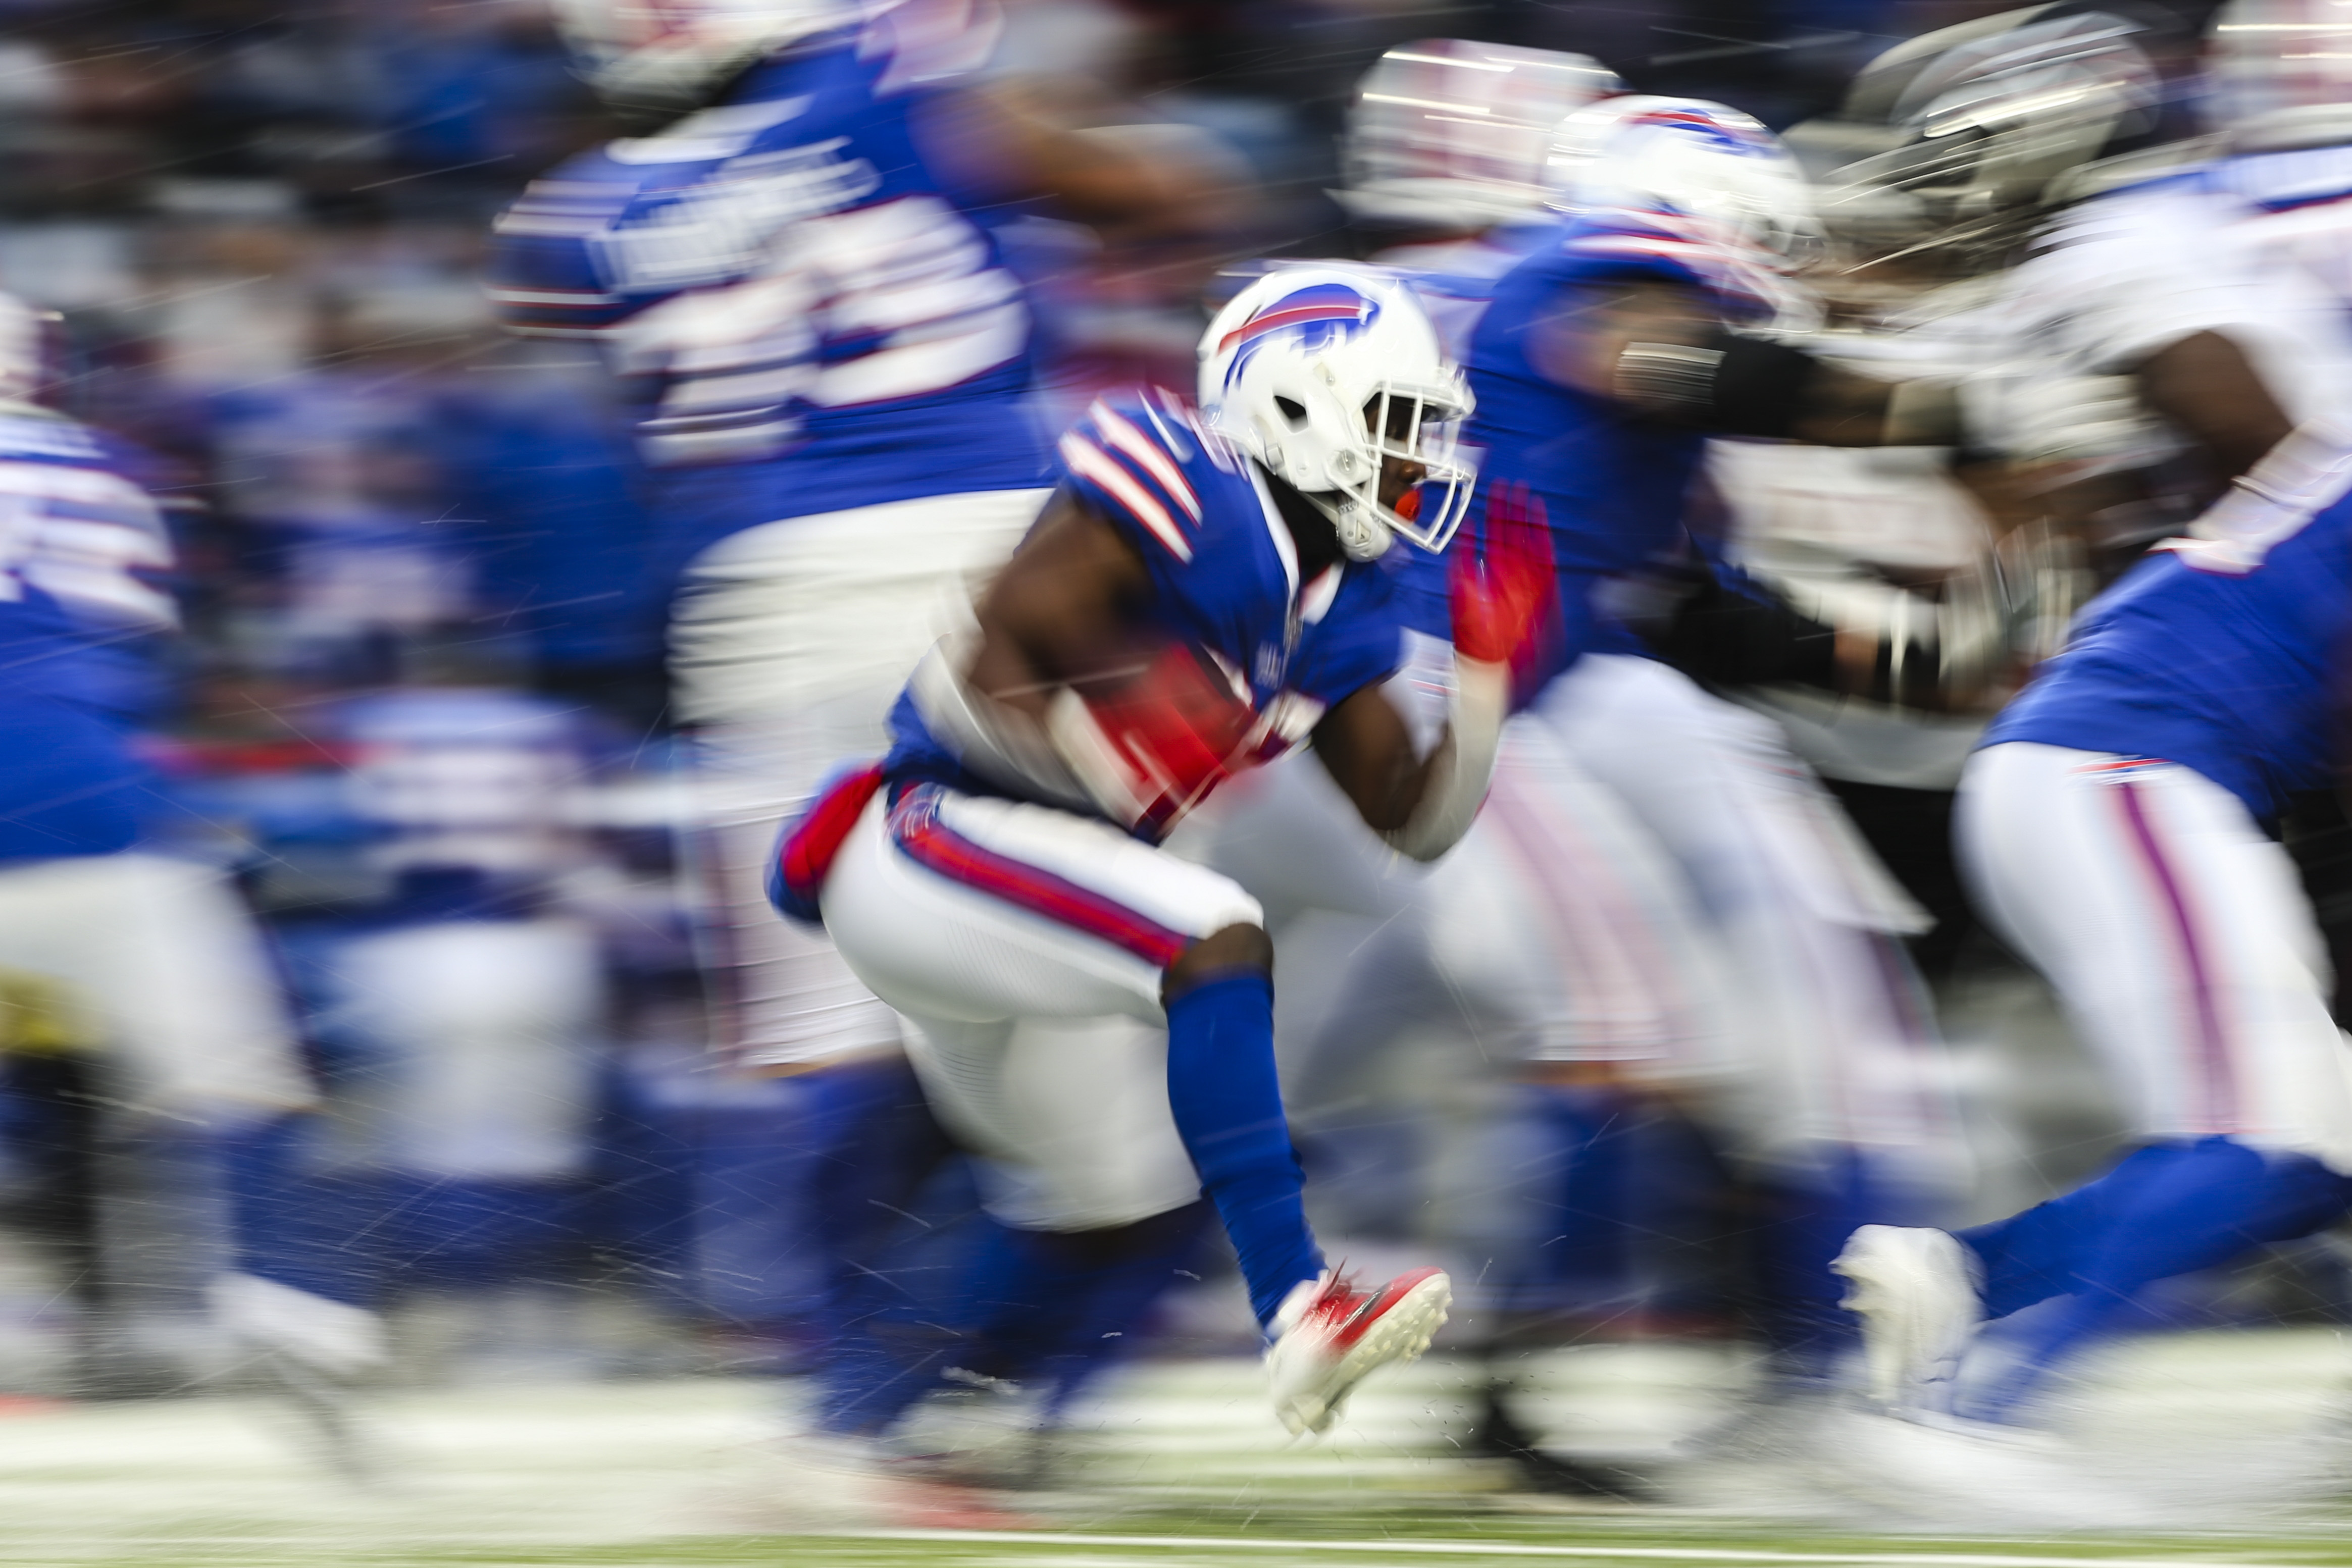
{"x": 1127, "y": 461}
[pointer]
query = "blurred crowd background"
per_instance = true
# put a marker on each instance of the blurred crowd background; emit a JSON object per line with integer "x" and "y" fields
{"x": 419, "y": 711}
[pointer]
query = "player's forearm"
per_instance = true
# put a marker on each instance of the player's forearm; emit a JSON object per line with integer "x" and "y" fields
{"x": 2206, "y": 387}
{"x": 1005, "y": 742}
{"x": 1451, "y": 782}
{"x": 1731, "y": 385}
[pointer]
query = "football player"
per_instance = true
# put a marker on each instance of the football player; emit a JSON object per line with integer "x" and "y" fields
{"x": 2214, "y": 305}
{"x": 195, "y": 1049}
{"x": 796, "y": 272}
{"x": 1606, "y": 360}
{"x": 1094, "y": 1014}
{"x": 2113, "y": 827}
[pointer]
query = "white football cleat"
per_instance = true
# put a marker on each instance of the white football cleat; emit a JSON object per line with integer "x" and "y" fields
{"x": 312, "y": 1351}
{"x": 1329, "y": 1334}
{"x": 1916, "y": 1292}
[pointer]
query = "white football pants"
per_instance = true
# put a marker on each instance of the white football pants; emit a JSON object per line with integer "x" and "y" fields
{"x": 1026, "y": 947}
{"x": 1828, "y": 1045}
{"x": 486, "y": 1036}
{"x": 2176, "y": 935}
{"x": 788, "y": 645}
{"x": 177, "y": 982}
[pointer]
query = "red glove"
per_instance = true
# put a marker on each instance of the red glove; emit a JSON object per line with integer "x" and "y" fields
{"x": 1506, "y": 593}
{"x": 1153, "y": 748}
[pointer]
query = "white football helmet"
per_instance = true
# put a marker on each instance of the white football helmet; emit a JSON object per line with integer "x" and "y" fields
{"x": 2282, "y": 74}
{"x": 1450, "y": 133}
{"x": 670, "y": 55}
{"x": 1321, "y": 373}
{"x": 1711, "y": 177}
{"x": 1686, "y": 158}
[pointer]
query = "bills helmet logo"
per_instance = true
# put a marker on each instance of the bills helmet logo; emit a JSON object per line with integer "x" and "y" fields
{"x": 1316, "y": 317}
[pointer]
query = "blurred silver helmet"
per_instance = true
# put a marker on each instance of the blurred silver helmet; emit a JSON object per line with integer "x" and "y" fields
{"x": 656, "y": 56}
{"x": 1984, "y": 120}
{"x": 2281, "y": 72}
{"x": 1450, "y": 133}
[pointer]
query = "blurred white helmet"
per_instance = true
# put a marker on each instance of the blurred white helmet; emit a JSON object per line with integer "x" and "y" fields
{"x": 1728, "y": 195}
{"x": 1450, "y": 133}
{"x": 1987, "y": 121}
{"x": 671, "y": 55}
{"x": 1688, "y": 159}
{"x": 2282, "y": 74}
{"x": 1321, "y": 373}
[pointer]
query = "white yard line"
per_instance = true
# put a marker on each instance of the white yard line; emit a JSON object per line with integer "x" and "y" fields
{"x": 1523, "y": 1549}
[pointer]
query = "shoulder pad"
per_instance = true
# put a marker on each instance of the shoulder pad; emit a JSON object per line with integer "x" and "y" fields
{"x": 1132, "y": 458}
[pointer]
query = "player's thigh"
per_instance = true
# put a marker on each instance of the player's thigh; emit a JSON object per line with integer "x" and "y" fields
{"x": 823, "y": 616}
{"x": 1070, "y": 1116}
{"x": 1718, "y": 787}
{"x": 1560, "y": 911}
{"x": 2176, "y": 933}
{"x": 955, "y": 906}
{"x": 172, "y": 970}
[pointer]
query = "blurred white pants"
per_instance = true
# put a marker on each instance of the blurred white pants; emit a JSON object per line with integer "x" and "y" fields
{"x": 165, "y": 959}
{"x": 1027, "y": 947}
{"x": 1830, "y": 1045}
{"x": 2178, "y": 936}
{"x": 485, "y": 1036}
{"x": 788, "y": 645}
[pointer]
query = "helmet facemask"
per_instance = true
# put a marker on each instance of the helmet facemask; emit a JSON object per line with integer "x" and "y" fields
{"x": 1408, "y": 430}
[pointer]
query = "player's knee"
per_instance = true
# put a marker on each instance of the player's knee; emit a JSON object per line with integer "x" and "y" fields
{"x": 1237, "y": 949}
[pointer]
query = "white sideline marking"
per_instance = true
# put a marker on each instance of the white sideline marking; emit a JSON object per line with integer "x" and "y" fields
{"x": 1523, "y": 1549}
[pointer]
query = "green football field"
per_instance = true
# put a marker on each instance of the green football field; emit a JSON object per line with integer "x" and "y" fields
{"x": 1177, "y": 1465}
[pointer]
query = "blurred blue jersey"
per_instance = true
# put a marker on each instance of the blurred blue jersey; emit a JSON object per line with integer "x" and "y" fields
{"x": 1225, "y": 575}
{"x": 809, "y": 319}
{"x": 2222, "y": 653}
{"x": 1454, "y": 281}
{"x": 79, "y": 543}
{"x": 1612, "y": 486}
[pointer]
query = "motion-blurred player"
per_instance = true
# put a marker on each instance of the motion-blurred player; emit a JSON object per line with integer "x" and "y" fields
{"x": 2222, "y": 324}
{"x": 2145, "y": 348}
{"x": 155, "y": 952}
{"x": 2113, "y": 828}
{"x": 1199, "y": 597}
{"x": 798, "y": 275}
{"x": 1605, "y": 360}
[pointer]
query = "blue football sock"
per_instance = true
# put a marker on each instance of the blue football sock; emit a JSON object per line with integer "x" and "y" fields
{"x": 2168, "y": 1210}
{"x": 286, "y": 1224}
{"x": 1589, "y": 1250}
{"x": 1053, "y": 1308}
{"x": 1805, "y": 1224}
{"x": 872, "y": 1147}
{"x": 1223, "y": 1086}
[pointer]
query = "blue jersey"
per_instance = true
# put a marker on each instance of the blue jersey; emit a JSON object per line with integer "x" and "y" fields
{"x": 1224, "y": 575}
{"x": 2222, "y": 653}
{"x": 809, "y": 319}
{"x": 1612, "y": 486}
{"x": 79, "y": 543}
